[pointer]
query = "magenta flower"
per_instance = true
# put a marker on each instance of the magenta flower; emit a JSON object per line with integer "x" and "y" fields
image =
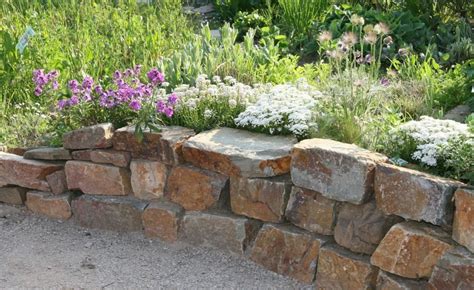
{"x": 38, "y": 91}
{"x": 62, "y": 104}
{"x": 74, "y": 86}
{"x": 87, "y": 83}
{"x": 173, "y": 99}
{"x": 155, "y": 76}
{"x": 169, "y": 112}
{"x": 74, "y": 100}
{"x": 135, "y": 105}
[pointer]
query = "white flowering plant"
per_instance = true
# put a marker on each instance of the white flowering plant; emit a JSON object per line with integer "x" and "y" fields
{"x": 213, "y": 102}
{"x": 283, "y": 109}
{"x": 444, "y": 147}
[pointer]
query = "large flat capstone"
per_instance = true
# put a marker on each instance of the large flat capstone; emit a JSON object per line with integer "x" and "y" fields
{"x": 240, "y": 153}
{"x": 97, "y": 136}
{"x": 338, "y": 171}
{"x": 48, "y": 153}
{"x": 14, "y": 170}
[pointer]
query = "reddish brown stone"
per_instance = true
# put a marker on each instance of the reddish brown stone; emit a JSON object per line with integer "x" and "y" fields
{"x": 463, "y": 227}
{"x": 97, "y": 136}
{"x": 339, "y": 171}
{"x": 339, "y": 268}
{"x": 411, "y": 249}
{"x": 99, "y": 179}
{"x": 387, "y": 281}
{"x": 148, "y": 178}
{"x": 311, "y": 211}
{"x": 164, "y": 146}
{"x": 162, "y": 220}
{"x": 84, "y": 155}
{"x": 57, "y": 182}
{"x": 288, "y": 251}
{"x": 114, "y": 157}
{"x": 263, "y": 199}
{"x": 122, "y": 214}
{"x": 221, "y": 230}
{"x": 360, "y": 228}
{"x": 47, "y": 153}
{"x": 196, "y": 189}
{"x": 15, "y": 170}
{"x": 239, "y": 153}
{"x": 53, "y": 206}
{"x": 17, "y": 150}
{"x": 13, "y": 195}
{"x": 455, "y": 270}
{"x": 414, "y": 195}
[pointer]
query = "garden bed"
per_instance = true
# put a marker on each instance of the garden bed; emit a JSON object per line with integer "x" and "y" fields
{"x": 304, "y": 209}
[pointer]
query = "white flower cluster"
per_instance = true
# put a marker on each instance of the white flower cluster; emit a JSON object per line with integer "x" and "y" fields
{"x": 229, "y": 90}
{"x": 431, "y": 137}
{"x": 284, "y": 108}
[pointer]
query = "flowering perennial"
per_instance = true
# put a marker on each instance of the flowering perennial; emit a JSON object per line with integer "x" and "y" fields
{"x": 283, "y": 109}
{"x": 42, "y": 80}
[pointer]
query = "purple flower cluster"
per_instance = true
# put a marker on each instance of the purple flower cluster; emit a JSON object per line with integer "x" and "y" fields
{"x": 41, "y": 80}
{"x": 167, "y": 107}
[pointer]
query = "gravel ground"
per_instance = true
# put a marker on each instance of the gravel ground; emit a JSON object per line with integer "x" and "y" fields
{"x": 39, "y": 252}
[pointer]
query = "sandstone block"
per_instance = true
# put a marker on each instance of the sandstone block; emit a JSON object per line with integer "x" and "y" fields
{"x": 122, "y": 214}
{"x": 262, "y": 199}
{"x": 311, "y": 211}
{"x": 114, "y": 157}
{"x": 164, "y": 146}
{"x": 414, "y": 195}
{"x": 339, "y": 268}
{"x": 57, "y": 182}
{"x": 148, "y": 178}
{"x": 463, "y": 227}
{"x": 387, "y": 281}
{"x": 99, "y": 179}
{"x": 46, "y": 153}
{"x": 360, "y": 228}
{"x": 455, "y": 270}
{"x": 53, "y": 206}
{"x": 162, "y": 220}
{"x": 288, "y": 251}
{"x": 97, "y": 136}
{"x": 221, "y": 230}
{"x": 411, "y": 249}
{"x": 239, "y": 153}
{"x": 84, "y": 155}
{"x": 13, "y": 195}
{"x": 14, "y": 170}
{"x": 197, "y": 189}
{"x": 339, "y": 171}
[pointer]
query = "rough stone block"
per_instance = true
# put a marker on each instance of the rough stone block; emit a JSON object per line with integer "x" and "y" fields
{"x": 339, "y": 268}
{"x": 47, "y": 153}
{"x": 148, "y": 178}
{"x": 99, "y": 179}
{"x": 288, "y": 251}
{"x": 414, "y": 195}
{"x": 360, "y": 228}
{"x": 162, "y": 220}
{"x": 463, "y": 227}
{"x": 311, "y": 211}
{"x": 339, "y": 171}
{"x": 57, "y": 182}
{"x": 13, "y": 195}
{"x": 114, "y": 157}
{"x": 455, "y": 270}
{"x": 84, "y": 155}
{"x": 53, "y": 206}
{"x": 387, "y": 281}
{"x": 197, "y": 189}
{"x": 262, "y": 199}
{"x": 240, "y": 153}
{"x": 221, "y": 230}
{"x": 122, "y": 214}
{"x": 164, "y": 146}
{"x": 15, "y": 170}
{"x": 97, "y": 136}
{"x": 411, "y": 249}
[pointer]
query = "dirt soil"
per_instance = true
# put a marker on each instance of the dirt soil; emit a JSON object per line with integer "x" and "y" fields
{"x": 44, "y": 253}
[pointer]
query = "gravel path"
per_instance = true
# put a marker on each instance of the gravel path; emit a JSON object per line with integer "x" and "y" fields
{"x": 38, "y": 252}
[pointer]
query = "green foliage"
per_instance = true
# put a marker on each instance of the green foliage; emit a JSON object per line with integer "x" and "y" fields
{"x": 298, "y": 15}
{"x": 229, "y": 8}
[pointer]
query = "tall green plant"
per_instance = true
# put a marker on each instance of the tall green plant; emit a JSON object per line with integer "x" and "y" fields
{"x": 299, "y": 15}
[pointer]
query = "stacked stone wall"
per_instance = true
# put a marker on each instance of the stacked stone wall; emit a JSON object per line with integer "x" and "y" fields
{"x": 322, "y": 212}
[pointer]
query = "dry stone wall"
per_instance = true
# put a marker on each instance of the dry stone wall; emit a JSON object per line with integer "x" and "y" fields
{"x": 323, "y": 212}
